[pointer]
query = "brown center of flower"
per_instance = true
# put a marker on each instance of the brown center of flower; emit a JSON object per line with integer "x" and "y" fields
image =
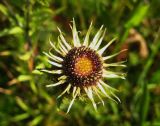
{"x": 82, "y": 66}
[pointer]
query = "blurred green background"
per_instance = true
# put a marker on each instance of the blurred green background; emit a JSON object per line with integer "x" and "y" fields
{"x": 25, "y": 28}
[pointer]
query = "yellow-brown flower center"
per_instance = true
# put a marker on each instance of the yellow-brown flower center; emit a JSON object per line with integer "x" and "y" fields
{"x": 83, "y": 66}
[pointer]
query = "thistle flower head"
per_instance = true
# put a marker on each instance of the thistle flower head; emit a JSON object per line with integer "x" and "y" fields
{"x": 82, "y": 68}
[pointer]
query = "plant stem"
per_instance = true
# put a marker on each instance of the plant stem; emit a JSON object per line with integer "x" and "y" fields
{"x": 27, "y": 17}
{"x": 144, "y": 93}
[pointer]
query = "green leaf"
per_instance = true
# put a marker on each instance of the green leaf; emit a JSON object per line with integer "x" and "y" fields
{"x": 36, "y": 120}
{"x": 3, "y": 9}
{"x": 25, "y": 56}
{"x": 40, "y": 66}
{"x": 144, "y": 104}
{"x": 11, "y": 31}
{"x": 22, "y": 104}
{"x": 21, "y": 117}
{"x": 37, "y": 72}
{"x": 22, "y": 78}
{"x": 16, "y": 30}
{"x": 44, "y": 2}
{"x": 138, "y": 16}
{"x": 133, "y": 59}
{"x": 33, "y": 87}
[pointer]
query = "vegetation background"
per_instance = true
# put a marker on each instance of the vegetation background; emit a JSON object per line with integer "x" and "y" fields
{"x": 25, "y": 28}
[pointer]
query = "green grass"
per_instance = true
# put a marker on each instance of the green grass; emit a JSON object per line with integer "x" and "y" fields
{"x": 25, "y": 29}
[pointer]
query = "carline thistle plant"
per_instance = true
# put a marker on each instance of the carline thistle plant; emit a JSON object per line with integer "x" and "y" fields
{"x": 82, "y": 68}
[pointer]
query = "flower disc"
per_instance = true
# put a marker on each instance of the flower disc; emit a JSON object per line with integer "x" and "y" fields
{"x": 82, "y": 66}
